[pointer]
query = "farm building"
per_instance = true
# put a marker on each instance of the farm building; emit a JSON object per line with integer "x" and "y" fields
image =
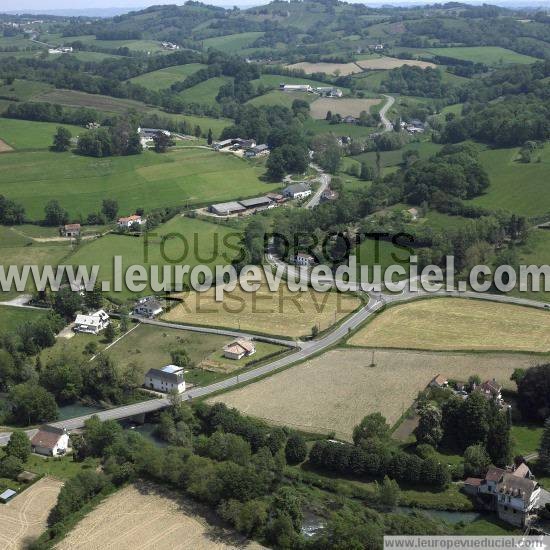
{"x": 329, "y": 195}
{"x": 148, "y": 307}
{"x": 166, "y": 379}
{"x": 70, "y": 230}
{"x": 276, "y": 197}
{"x": 329, "y": 91}
{"x": 50, "y": 441}
{"x": 7, "y": 495}
{"x": 439, "y": 381}
{"x": 257, "y": 151}
{"x": 297, "y": 191}
{"x": 227, "y": 208}
{"x": 150, "y": 133}
{"x": 304, "y": 259}
{"x": 92, "y": 323}
{"x": 61, "y": 49}
{"x": 128, "y": 221}
{"x": 234, "y": 143}
{"x": 256, "y": 202}
{"x": 296, "y": 88}
{"x": 239, "y": 348}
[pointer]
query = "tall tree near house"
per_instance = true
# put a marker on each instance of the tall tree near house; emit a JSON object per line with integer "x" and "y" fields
{"x": 476, "y": 460}
{"x": 162, "y": 141}
{"x": 19, "y": 446}
{"x": 475, "y": 425}
{"x": 499, "y": 444}
{"x": 198, "y": 131}
{"x": 62, "y": 139}
{"x": 109, "y": 207}
{"x": 93, "y": 299}
{"x": 544, "y": 449}
{"x": 429, "y": 426}
{"x": 55, "y": 214}
{"x": 210, "y": 138}
{"x": 110, "y": 333}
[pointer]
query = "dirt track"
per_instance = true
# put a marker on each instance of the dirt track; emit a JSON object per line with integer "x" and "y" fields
{"x": 4, "y": 147}
{"x": 24, "y": 518}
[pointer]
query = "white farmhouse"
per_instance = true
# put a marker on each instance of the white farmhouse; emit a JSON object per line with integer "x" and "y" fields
{"x": 50, "y": 441}
{"x": 128, "y": 221}
{"x": 297, "y": 191}
{"x": 304, "y": 259}
{"x": 167, "y": 379}
{"x": 148, "y": 307}
{"x": 92, "y": 323}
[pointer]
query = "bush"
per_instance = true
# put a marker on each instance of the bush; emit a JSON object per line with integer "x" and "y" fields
{"x": 296, "y": 449}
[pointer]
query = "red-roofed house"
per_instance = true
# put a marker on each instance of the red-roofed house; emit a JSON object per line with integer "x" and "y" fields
{"x": 50, "y": 441}
{"x": 70, "y": 230}
{"x": 130, "y": 220}
{"x": 239, "y": 348}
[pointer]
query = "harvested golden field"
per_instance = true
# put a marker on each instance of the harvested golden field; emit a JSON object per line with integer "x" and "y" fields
{"x": 143, "y": 516}
{"x": 384, "y": 63}
{"x": 343, "y": 107}
{"x": 458, "y": 324}
{"x": 4, "y": 147}
{"x": 333, "y": 392}
{"x": 342, "y": 69}
{"x": 282, "y": 313}
{"x": 24, "y": 518}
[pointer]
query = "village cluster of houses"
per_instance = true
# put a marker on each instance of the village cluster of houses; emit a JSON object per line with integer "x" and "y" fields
{"x": 513, "y": 493}
{"x": 243, "y": 147}
{"x": 60, "y": 49}
{"x": 323, "y": 91}
{"x": 169, "y": 46}
{"x": 413, "y": 127}
{"x": 74, "y": 230}
{"x": 490, "y": 389}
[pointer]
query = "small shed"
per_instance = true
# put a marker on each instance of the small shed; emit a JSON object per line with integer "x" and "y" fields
{"x": 7, "y": 495}
{"x": 26, "y": 477}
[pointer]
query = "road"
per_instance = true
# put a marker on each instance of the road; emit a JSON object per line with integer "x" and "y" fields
{"x": 388, "y": 126}
{"x": 324, "y": 180}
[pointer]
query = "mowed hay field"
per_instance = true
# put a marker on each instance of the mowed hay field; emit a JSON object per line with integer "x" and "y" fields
{"x": 342, "y": 69}
{"x": 343, "y": 107}
{"x": 334, "y": 391}
{"x": 281, "y": 313}
{"x": 184, "y": 176}
{"x": 458, "y": 324}
{"x": 24, "y": 518}
{"x": 382, "y": 63}
{"x": 142, "y": 516}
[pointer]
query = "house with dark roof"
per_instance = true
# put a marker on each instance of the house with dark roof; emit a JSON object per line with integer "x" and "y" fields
{"x": 165, "y": 380}
{"x": 297, "y": 191}
{"x": 50, "y": 441}
{"x": 148, "y": 307}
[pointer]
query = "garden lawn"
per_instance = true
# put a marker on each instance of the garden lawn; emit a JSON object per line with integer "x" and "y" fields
{"x": 178, "y": 178}
{"x": 526, "y": 439}
{"x": 12, "y": 317}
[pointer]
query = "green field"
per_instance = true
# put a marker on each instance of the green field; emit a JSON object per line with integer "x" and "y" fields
{"x": 172, "y": 243}
{"x": 94, "y": 57}
{"x": 526, "y": 439}
{"x": 205, "y": 92}
{"x": 184, "y": 176}
{"x": 489, "y": 55}
{"x": 273, "y": 81}
{"x": 517, "y": 187}
{"x": 283, "y": 99}
{"x": 25, "y": 134}
{"x": 164, "y": 78}
{"x": 23, "y": 90}
{"x": 232, "y": 43}
{"x": 12, "y": 317}
{"x": 324, "y": 127}
{"x": 152, "y": 46}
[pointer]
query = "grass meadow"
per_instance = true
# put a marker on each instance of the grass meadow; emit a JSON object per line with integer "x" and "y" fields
{"x": 164, "y": 78}
{"x": 12, "y": 317}
{"x": 181, "y": 177}
{"x": 205, "y": 92}
{"x": 181, "y": 241}
{"x": 517, "y": 187}
{"x": 232, "y": 43}
{"x": 489, "y": 55}
{"x": 26, "y": 134}
{"x": 23, "y": 90}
